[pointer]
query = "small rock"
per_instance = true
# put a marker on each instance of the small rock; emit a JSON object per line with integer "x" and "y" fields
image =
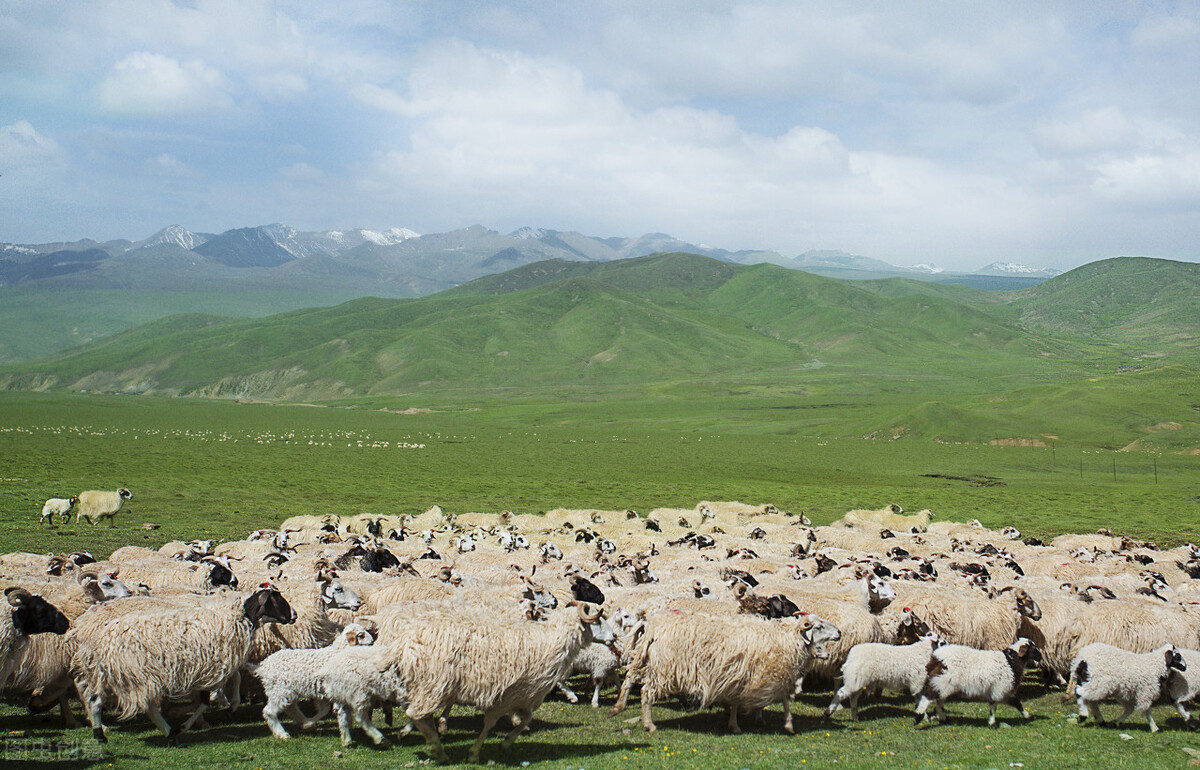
{"x": 1005, "y": 726}
{"x": 1190, "y": 751}
{"x": 1125, "y": 737}
{"x": 338, "y": 755}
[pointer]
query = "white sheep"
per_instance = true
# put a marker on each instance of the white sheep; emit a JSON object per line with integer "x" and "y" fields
{"x": 140, "y": 658}
{"x": 58, "y": 506}
{"x": 878, "y": 666}
{"x": 470, "y": 657}
{"x": 741, "y": 662}
{"x": 971, "y": 674}
{"x": 1102, "y": 672}
{"x": 600, "y": 662}
{"x": 356, "y": 680}
{"x": 1183, "y": 686}
{"x": 96, "y": 506}
{"x": 290, "y": 676}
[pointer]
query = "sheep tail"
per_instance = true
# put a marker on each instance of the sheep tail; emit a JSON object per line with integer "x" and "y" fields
{"x": 1071, "y": 683}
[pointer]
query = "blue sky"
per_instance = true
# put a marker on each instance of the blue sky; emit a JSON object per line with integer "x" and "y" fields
{"x": 1046, "y": 133}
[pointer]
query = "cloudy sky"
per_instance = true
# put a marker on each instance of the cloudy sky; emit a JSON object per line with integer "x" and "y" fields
{"x": 1047, "y": 133}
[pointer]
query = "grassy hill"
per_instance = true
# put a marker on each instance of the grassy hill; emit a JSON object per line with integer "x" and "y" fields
{"x": 897, "y": 357}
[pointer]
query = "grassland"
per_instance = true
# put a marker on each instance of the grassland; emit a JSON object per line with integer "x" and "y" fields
{"x": 219, "y": 469}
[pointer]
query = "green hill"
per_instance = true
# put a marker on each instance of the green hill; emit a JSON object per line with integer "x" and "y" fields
{"x": 896, "y": 357}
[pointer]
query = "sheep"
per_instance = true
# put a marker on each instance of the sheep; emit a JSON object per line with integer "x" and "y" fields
{"x": 883, "y": 666}
{"x": 27, "y": 614}
{"x": 311, "y": 626}
{"x": 1135, "y": 680}
{"x": 470, "y": 657}
{"x": 355, "y": 680}
{"x": 740, "y": 662}
{"x": 600, "y": 662}
{"x": 967, "y": 619}
{"x": 889, "y": 518}
{"x": 1183, "y": 686}
{"x": 160, "y": 572}
{"x": 989, "y": 675}
{"x": 138, "y": 659}
{"x": 43, "y": 667}
{"x": 289, "y": 676}
{"x": 96, "y": 506}
{"x": 58, "y": 506}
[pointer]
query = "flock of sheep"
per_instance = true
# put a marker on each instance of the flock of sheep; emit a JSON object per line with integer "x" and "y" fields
{"x": 722, "y": 605}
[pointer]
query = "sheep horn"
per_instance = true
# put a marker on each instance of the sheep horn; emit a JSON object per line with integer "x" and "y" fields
{"x": 112, "y": 573}
{"x": 588, "y": 616}
{"x": 17, "y": 595}
{"x": 740, "y": 589}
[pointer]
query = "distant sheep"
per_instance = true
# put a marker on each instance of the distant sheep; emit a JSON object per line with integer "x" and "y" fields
{"x": 96, "y": 506}
{"x": 58, "y": 506}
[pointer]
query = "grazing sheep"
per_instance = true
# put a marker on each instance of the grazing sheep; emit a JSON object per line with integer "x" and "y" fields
{"x": 1102, "y": 672}
{"x": 96, "y": 506}
{"x": 140, "y": 658}
{"x": 737, "y": 661}
{"x": 503, "y": 668}
{"x": 971, "y": 674}
{"x": 290, "y": 676}
{"x": 58, "y": 506}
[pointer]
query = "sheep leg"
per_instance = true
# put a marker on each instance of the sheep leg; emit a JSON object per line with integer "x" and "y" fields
{"x": 733, "y": 723}
{"x": 94, "y": 702}
{"x": 197, "y": 717}
{"x": 157, "y": 718}
{"x": 1150, "y": 721}
{"x": 233, "y": 686}
{"x": 922, "y": 708}
{"x": 343, "y": 718}
{"x": 623, "y": 695}
{"x": 1015, "y": 702}
{"x": 64, "y": 708}
{"x": 596, "y": 693}
{"x": 362, "y": 715}
{"x": 567, "y": 691}
{"x": 647, "y": 702}
{"x": 787, "y": 720}
{"x": 992, "y": 714}
{"x": 489, "y": 721}
{"x": 432, "y": 742}
{"x": 308, "y": 723}
{"x": 1125, "y": 714}
{"x": 520, "y": 719}
{"x": 270, "y": 714}
{"x": 443, "y": 722}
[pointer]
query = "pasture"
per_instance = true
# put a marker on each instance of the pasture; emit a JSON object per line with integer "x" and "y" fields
{"x": 221, "y": 469}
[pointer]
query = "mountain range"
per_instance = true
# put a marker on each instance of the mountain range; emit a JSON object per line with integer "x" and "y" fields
{"x": 402, "y": 261}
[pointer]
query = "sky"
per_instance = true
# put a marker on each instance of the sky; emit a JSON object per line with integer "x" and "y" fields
{"x": 1049, "y": 133}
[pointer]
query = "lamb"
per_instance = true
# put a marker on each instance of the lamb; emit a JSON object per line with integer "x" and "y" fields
{"x": 876, "y": 666}
{"x": 58, "y": 506}
{"x": 355, "y": 680}
{"x": 741, "y": 662}
{"x": 97, "y": 506}
{"x": 139, "y": 658}
{"x": 989, "y": 675}
{"x": 501, "y": 667}
{"x": 1135, "y": 680}
{"x": 289, "y": 676}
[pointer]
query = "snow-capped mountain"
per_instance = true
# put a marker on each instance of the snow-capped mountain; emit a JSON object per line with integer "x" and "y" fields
{"x": 172, "y": 235}
{"x": 924, "y": 268}
{"x": 388, "y": 237}
{"x": 1013, "y": 269}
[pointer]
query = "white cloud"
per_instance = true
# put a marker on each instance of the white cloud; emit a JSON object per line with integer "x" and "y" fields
{"x": 167, "y": 165}
{"x": 1093, "y": 131}
{"x": 301, "y": 172}
{"x": 153, "y": 85}
{"x": 28, "y": 155}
